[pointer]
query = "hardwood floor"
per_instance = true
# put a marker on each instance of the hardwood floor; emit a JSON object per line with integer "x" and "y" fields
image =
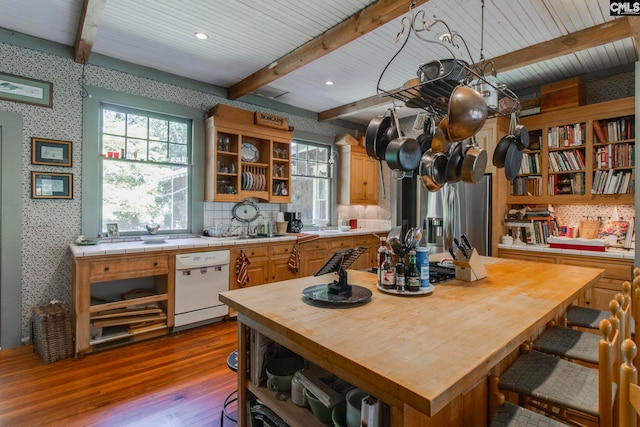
{"x": 177, "y": 380}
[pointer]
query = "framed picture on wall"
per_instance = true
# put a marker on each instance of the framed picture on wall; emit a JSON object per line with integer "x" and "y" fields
{"x": 46, "y": 185}
{"x": 50, "y": 152}
{"x": 28, "y": 91}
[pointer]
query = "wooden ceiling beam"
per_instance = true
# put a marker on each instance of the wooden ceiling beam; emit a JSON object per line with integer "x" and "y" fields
{"x": 87, "y": 29}
{"x": 634, "y": 25}
{"x": 357, "y": 25}
{"x": 584, "y": 39}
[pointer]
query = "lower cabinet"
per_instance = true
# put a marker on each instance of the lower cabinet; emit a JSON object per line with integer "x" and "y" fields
{"x": 616, "y": 271}
{"x": 267, "y": 263}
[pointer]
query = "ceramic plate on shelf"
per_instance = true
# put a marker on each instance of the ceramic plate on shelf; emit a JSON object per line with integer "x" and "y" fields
{"x": 249, "y": 153}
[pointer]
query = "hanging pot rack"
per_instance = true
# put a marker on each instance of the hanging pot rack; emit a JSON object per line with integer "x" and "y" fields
{"x": 432, "y": 94}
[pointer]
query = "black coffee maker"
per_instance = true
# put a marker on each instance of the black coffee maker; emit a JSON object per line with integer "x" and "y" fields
{"x": 294, "y": 224}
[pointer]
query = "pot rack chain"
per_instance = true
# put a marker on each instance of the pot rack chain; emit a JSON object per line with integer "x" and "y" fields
{"x": 417, "y": 23}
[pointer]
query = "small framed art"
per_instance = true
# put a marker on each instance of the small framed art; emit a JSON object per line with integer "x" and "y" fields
{"x": 112, "y": 230}
{"x": 46, "y": 185}
{"x": 50, "y": 152}
{"x": 28, "y": 91}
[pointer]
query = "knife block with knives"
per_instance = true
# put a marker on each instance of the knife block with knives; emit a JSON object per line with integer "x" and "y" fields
{"x": 470, "y": 269}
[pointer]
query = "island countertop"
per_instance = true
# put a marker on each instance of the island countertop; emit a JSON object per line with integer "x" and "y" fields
{"x": 420, "y": 351}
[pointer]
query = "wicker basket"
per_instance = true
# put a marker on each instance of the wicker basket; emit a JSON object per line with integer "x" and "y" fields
{"x": 52, "y": 332}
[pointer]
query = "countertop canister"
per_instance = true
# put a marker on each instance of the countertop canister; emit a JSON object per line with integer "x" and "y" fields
{"x": 422, "y": 262}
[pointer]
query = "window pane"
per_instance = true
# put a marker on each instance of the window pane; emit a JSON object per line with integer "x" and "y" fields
{"x": 137, "y": 149}
{"x": 113, "y": 122}
{"x": 158, "y": 152}
{"x": 112, "y": 143}
{"x": 178, "y": 132}
{"x": 323, "y": 170}
{"x": 177, "y": 153}
{"x": 159, "y": 129}
{"x": 294, "y": 150}
{"x": 323, "y": 154}
{"x": 137, "y": 126}
{"x": 301, "y": 168}
{"x": 135, "y": 194}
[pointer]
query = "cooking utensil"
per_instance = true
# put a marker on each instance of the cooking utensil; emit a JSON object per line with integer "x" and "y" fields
{"x": 375, "y": 136}
{"x": 500, "y": 153}
{"x": 453, "y": 254}
{"x": 395, "y": 244}
{"x": 450, "y": 70}
{"x": 440, "y": 141}
{"x": 426, "y": 136}
{"x": 512, "y": 162}
{"x": 522, "y": 137}
{"x": 454, "y": 163}
{"x": 474, "y": 163}
{"x": 432, "y": 170}
{"x": 467, "y": 113}
{"x": 403, "y": 153}
{"x": 461, "y": 248}
{"x": 464, "y": 239}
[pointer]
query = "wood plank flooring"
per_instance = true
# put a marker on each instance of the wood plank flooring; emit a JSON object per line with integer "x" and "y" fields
{"x": 177, "y": 380}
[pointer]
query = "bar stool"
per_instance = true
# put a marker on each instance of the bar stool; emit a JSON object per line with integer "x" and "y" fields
{"x": 548, "y": 381}
{"x": 232, "y": 363}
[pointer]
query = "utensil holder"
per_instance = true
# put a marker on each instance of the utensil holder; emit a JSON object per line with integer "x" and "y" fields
{"x": 470, "y": 269}
{"x": 282, "y": 227}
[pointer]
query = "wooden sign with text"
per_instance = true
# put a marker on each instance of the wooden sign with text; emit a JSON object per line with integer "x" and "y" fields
{"x": 271, "y": 120}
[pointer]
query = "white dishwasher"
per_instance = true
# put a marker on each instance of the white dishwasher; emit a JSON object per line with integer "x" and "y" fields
{"x": 200, "y": 277}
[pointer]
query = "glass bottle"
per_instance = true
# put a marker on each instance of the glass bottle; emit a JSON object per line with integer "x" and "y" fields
{"x": 400, "y": 278}
{"x": 382, "y": 250}
{"x": 388, "y": 272}
{"x": 413, "y": 275}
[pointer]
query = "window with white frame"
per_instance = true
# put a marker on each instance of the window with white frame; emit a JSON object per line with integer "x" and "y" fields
{"x": 311, "y": 176}
{"x": 145, "y": 169}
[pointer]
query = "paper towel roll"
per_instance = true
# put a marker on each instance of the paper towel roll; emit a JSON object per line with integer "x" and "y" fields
{"x": 279, "y": 216}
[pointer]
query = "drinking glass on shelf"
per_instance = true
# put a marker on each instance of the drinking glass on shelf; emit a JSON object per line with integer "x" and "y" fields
{"x": 227, "y": 143}
{"x": 276, "y": 153}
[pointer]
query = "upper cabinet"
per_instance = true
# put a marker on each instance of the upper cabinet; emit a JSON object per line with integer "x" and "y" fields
{"x": 358, "y": 174}
{"x": 247, "y": 155}
{"x": 578, "y": 155}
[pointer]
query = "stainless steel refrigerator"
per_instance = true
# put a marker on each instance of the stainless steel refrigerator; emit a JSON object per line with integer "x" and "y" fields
{"x": 455, "y": 209}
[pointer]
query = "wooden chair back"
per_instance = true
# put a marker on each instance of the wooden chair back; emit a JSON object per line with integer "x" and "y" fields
{"x": 608, "y": 372}
{"x": 629, "y": 389}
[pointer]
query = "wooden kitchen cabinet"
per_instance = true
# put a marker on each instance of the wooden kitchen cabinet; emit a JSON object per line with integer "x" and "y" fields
{"x": 313, "y": 255}
{"x": 616, "y": 271}
{"x": 245, "y": 159}
{"x": 268, "y": 263}
{"x": 358, "y": 174}
{"x": 103, "y": 303}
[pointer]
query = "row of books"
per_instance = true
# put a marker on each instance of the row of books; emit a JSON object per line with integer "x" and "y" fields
{"x": 612, "y": 182}
{"x": 566, "y": 136}
{"x": 530, "y": 163}
{"x": 619, "y": 129}
{"x": 566, "y": 184}
{"x": 565, "y": 161}
{"x": 614, "y": 156}
{"x": 534, "y": 232}
{"x": 527, "y": 186}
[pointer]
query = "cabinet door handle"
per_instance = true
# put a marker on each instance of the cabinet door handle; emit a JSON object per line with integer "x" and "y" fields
{"x": 106, "y": 268}
{"x": 155, "y": 263}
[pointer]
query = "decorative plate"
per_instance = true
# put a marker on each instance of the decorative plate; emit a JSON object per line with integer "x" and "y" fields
{"x": 249, "y": 153}
{"x": 245, "y": 211}
{"x": 88, "y": 242}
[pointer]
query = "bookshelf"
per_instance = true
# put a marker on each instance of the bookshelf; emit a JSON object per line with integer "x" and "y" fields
{"x": 579, "y": 155}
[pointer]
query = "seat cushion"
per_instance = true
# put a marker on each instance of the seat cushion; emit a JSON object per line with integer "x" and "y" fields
{"x": 569, "y": 343}
{"x": 511, "y": 415}
{"x": 554, "y": 380}
{"x": 586, "y": 317}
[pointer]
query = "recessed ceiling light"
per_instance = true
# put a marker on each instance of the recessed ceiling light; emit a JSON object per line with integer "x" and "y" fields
{"x": 201, "y": 36}
{"x": 329, "y": 82}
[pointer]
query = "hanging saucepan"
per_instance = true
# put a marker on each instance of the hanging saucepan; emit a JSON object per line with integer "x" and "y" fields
{"x": 375, "y": 135}
{"x": 453, "y": 172}
{"x": 522, "y": 137}
{"x": 474, "y": 163}
{"x": 512, "y": 162}
{"x": 425, "y": 138}
{"x": 467, "y": 113}
{"x": 440, "y": 141}
{"x": 432, "y": 170}
{"x": 403, "y": 153}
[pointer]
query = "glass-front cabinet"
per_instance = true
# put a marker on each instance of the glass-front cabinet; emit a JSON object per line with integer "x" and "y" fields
{"x": 244, "y": 158}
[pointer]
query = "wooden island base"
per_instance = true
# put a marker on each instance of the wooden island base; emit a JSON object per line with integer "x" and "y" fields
{"x": 428, "y": 357}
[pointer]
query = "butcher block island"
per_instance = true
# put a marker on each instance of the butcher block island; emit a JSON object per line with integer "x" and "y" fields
{"x": 427, "y": 357}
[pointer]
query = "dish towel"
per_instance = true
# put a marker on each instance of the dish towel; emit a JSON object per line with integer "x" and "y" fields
{"x": 294, "y": 260}
{"x": 304, "y": 237}
{"x": 242, "y": 269}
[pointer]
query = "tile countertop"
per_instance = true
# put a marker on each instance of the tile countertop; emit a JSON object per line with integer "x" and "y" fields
{"x": 609, "y": 253}
{"x": 135, "y": 246}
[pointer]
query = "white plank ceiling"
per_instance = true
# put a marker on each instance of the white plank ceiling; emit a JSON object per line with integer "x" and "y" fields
{"x": 246, "y": 36}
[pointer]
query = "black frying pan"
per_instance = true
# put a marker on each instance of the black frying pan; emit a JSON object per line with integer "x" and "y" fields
{"x": 500, "y": 153}
{"x": 522, "y": 137}
{"x": 375, "y": 135}
{"x": 512, "y": 162}
{"x": 403, "y": 153}
{"x": 453, "y": 172}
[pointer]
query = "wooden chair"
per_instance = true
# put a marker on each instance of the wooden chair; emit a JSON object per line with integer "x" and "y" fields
{"x": 629, "y": 389}
{"x": 562, "y": 388}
